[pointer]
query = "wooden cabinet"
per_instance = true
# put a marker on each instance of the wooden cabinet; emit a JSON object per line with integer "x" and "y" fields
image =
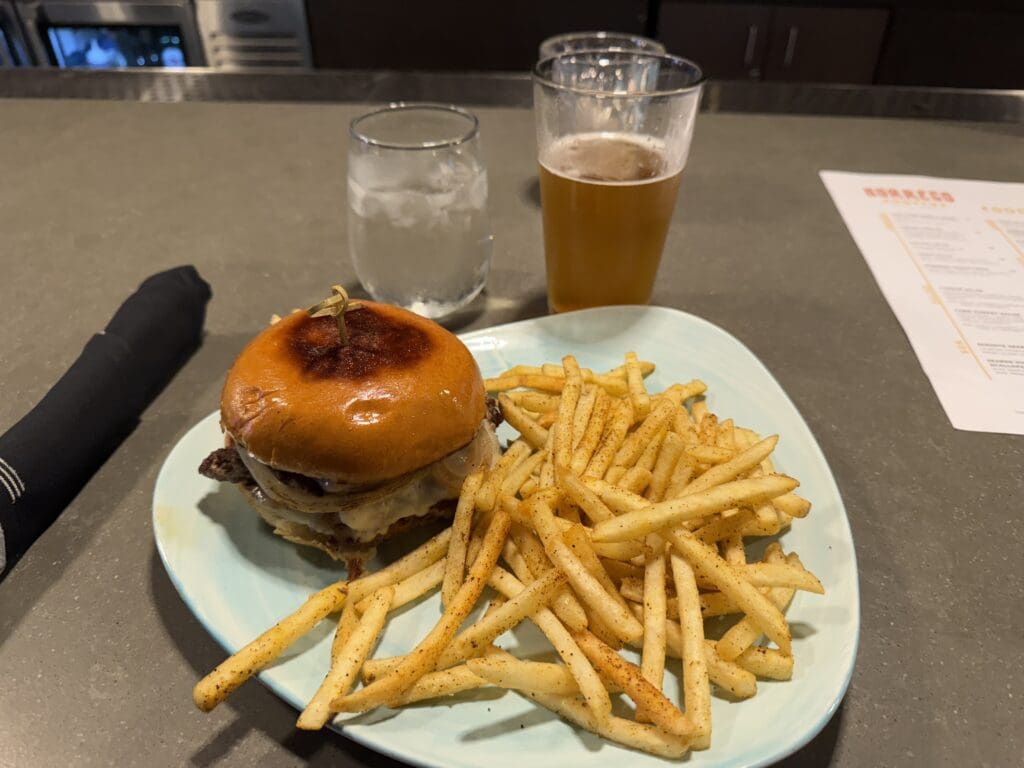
{"x": 728, "y": 41}
{"x": 825, "y": 45}
{"x": 766, "y": 42}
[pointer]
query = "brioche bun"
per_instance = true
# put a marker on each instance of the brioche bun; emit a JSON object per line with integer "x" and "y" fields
{"x": 402, "y": 394}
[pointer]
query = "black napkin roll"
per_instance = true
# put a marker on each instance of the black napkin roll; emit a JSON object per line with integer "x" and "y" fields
{"x": 48, "y": 456}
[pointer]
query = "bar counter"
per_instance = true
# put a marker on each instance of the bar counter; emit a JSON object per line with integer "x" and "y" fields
{"x": 98, "y": 654}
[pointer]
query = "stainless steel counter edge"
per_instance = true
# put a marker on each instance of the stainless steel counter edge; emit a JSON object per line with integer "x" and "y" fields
{"x": 506, "y": 89}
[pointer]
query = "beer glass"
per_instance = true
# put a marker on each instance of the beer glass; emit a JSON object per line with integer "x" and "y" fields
{"x": 611, "y": 155}
{"x": 418, "y": 229}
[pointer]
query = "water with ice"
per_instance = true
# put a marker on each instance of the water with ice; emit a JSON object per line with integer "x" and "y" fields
{"x": 418, "y": 228}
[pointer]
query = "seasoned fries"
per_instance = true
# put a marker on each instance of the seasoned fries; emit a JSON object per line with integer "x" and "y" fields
{"x": 620, "y": 516}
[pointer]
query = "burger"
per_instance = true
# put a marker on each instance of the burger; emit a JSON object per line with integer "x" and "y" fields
{"x": 340, "y": 443}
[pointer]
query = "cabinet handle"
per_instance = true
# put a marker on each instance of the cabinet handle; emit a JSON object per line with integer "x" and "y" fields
{"x": 787, "y": 59}
{"x": 748, "y": 54}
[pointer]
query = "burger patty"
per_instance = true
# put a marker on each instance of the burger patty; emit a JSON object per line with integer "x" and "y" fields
{"x": 226, "y": 466}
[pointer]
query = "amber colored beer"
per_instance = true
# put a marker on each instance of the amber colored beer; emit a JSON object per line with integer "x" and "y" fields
{"x": 607, "y": 200}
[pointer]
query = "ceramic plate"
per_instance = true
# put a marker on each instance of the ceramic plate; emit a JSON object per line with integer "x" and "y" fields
{"x": 239, "y": 579}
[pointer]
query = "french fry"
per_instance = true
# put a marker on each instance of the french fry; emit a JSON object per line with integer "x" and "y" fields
{"x": 649, "y": 456}
{"x": 374, "y": 669}
{"x": 345, "y": 669}
{"x": 637, "y": 392}
{"x": 568, "y": 512}
{"x": 614, "y": 475}
{"x": 726, "y": 435}
{"x": 717, "y": 604}
{"x": 652, "y": 660}
{"x": 506, "y": 671}
{"x": 589, "y": 438}
{"x": 532, "y": 432}
{"x": 236, "y": 669}
{"x": 620, "y": 550}
{"x": 532, "y": 485}
{"x": 534, "y": 381}
{"x": 698, "y": 410}
{"x": 683, "y": 426}
{"x": 420, "y": 558}
{"x": 648, "y": 699}
{"x": 680, "y": 393}
{"x": 766, "y": 662}
{"x": 709, "y": 454}
{"x": 721, "y": 528}
{"x": 782, "y": 575}
{"x": 745, "y": 461}
{"x": 728, "y": 675}
{"x": 792, "y": 505}
{"x": 591, "y": 688}
{"x": 696, "y": 691}
{"x": 566, "y": 412}
{"x": 761, "y": 612}
{"x": 539, "y": 402}
{"x": 746, "y": 632}
{"x": 668, "y": 457}
{"x": 462, "y": 524}
{"x": 411, "y": 588}
{"x": 646, "y": 369}
{"x": 645, "y": 738}
{"x": 478, "y": 637}
{"x": 489, "y": 489}
{"x": 436, "y": 685}
{"x": 618, "y": 499}
{"x": 588, "y": 588}
{"x": 620, "y": 417}
{"x": 707, "y": 429}
{"x": 637, "y": 440}
{"x": 733, "y": 552}
{"x": 584, "y": 497}
{"x": 564, "y": 604}
{"x": 423, "y": 658}
{"x": 575, "y": 537}
{"x": 635, "y": 480}
{"x": 618, "y": 571}
{"x": 547, "y": 471}
{"x": 581, "y": 417}
{"x": 681, "y": 475}
{"x": 346, "y": 625}
{"x": 632, "y": 525}
{"x": 514, "y": 480}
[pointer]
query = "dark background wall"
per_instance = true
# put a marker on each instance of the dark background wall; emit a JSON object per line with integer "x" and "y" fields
{"x": 955, "y": 43}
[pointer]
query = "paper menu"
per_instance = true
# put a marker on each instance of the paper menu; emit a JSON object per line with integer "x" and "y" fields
{"x": 948, "y": 255}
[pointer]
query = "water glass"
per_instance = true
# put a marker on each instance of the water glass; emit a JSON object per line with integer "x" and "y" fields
{"x": 418, "y": 229}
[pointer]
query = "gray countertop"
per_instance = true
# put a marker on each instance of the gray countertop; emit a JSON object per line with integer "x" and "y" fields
{"x": 97, "y": 652}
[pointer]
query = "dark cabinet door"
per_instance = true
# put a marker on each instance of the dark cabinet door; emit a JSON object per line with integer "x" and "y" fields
{"x": 728, "y": 41}
{"x": 827, "y": 45}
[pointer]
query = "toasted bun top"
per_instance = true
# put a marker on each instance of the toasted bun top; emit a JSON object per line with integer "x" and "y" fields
{"x": 402, "y": 394}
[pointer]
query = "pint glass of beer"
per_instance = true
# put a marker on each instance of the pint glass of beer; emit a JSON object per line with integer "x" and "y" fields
{"x": 612, "y": 151}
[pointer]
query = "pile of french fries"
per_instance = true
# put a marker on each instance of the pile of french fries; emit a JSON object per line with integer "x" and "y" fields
{"x": 618, "y": 519}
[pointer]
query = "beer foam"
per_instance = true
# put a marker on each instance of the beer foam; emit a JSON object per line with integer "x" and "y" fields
{"x": 613, "y": 159}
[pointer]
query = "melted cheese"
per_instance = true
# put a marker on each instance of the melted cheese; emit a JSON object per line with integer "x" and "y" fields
{"x": 371, "y": 518}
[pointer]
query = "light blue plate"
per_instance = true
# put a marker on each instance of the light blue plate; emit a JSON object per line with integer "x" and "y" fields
{"x": 239, "y": 579}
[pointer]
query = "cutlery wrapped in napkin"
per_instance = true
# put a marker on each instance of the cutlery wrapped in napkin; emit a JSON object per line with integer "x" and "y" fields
{"x": 48, "y": 456}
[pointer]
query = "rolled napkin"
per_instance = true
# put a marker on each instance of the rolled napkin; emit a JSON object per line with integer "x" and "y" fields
{"x": 43, "y": 464}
